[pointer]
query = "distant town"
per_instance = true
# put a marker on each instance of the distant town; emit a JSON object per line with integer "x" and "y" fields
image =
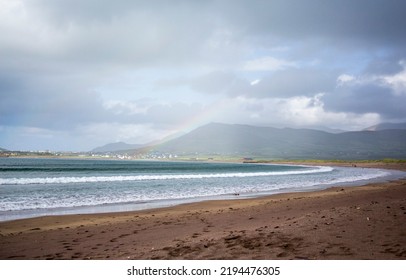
{"x": 106, "y": 155}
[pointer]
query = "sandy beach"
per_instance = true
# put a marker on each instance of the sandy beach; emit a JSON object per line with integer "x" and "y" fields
{"x": 366, "y": 222}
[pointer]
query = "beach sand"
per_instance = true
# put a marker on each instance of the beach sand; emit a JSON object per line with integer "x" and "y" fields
{"x": 367, "y": 222}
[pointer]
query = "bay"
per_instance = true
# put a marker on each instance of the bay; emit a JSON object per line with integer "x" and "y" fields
{"x": 38, "y": 187}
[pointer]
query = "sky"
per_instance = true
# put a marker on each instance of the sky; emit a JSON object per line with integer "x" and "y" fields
{"x": 77, "y": 74}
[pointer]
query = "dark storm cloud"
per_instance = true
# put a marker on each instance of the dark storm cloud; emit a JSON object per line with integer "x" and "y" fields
{"x": 28, "y": 102}
{"x": 63, "y": 106}
{"x": 371, "y": 97}
{"x": 291, "y": 82}
{"x": 125, "y": 33}
{"x": 383, "y": 66}
{"x": 280, "y": 84}
{"x": 362, "y": 20}
{"x": 66, "y": 11}
{"x": 57, "y": 58}
{"x": 144, "y": 32}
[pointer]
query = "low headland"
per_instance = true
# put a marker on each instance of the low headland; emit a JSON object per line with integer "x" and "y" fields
{"x": 365, "y": 222}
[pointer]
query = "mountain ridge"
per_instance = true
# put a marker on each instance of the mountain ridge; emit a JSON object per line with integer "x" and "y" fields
{"x": 251, "y": 141}
{"x": 115, "y": 147}
{"x": 386, "y": 126}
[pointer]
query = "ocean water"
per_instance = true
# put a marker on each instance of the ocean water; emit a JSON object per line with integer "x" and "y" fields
{"x": 38, "y": 187}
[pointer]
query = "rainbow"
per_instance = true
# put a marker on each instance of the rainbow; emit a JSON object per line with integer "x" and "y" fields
{"x": 208, "y": 114}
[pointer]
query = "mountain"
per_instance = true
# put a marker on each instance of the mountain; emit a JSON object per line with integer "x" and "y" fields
{"x": 2, "y": 150}
{"x": 128, "y": 148}
{"x": 114, "y": 147}
{"x": 384, "y": 126}
{"x": 217, "y": 139}
{"x": 322, "y": 128}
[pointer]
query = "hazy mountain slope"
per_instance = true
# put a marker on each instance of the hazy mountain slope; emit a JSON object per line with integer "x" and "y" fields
{"x": 113, "y": 147}
{"x": 384, "y": 126}
{"x": 251, "y": 141}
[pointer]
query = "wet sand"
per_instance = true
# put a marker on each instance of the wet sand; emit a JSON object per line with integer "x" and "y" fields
{"x": 367, "y": 222}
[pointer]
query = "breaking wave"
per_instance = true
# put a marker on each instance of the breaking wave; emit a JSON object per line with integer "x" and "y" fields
{"x": 121, "y": 178}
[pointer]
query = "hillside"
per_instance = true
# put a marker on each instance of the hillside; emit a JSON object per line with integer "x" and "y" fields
{"x": 385, "y": 126}
{"x": 265, "y": 142}
{"x": 114, "y": 147}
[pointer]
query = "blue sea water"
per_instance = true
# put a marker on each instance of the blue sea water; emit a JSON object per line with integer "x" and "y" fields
{"x": 37, "y": 187}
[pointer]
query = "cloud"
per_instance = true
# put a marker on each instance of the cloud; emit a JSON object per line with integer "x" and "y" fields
{"x": 172, "y": 114}
{"x": 94, "y": 34}
{"x": 254, "y": 82}
{"x": 143, "y": 33}
{"x": 33, "y": 101}
{"x": 215, "y": 82}
{"x": 77, "y": 67}
{"x": 397, "y": 81}
{"x": 299, "y": 111}
{"x": 381, "y": 94}
{"x": 285, "y": 83}
{"x": 344, "y": 78}
{"x": 384, "y": 65}
{"x": 360, "y": 22}
{"x": 267, "y": 64}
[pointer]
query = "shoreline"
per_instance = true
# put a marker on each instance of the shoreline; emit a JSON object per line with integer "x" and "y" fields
{"x": 163, "y": 204}
{"x": 365, "y": 222}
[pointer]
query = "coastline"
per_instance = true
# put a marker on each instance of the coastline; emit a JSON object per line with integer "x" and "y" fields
{"x": 365, "y": 222}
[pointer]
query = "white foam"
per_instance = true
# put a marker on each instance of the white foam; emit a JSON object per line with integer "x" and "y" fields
{"x": 52, "y": 199}
{"x": 362, "y": 177}
{"x": 95, "y": 179}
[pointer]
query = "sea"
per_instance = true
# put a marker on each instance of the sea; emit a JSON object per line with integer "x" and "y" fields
{"x": 33, "y": 187}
